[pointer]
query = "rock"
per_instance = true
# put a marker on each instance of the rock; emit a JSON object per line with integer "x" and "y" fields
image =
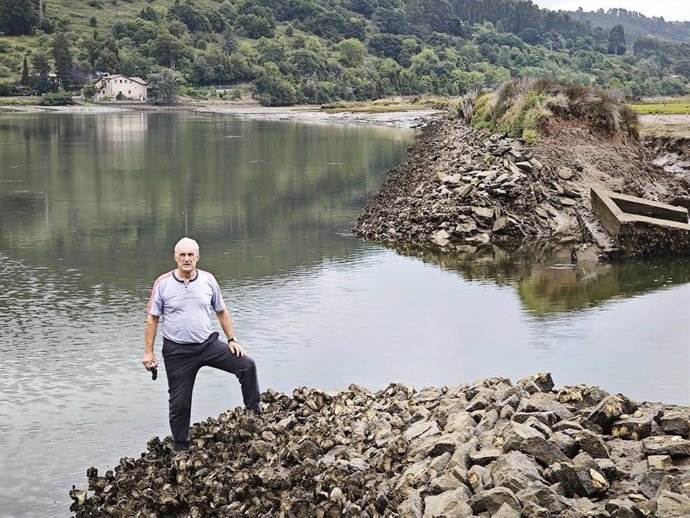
{"x": 565, "y": 443}
{"x": 592, "y": 444}
{"x": 479, "y": 478}
{"x": 506, "y": 511}
{"x": 674, "y": 422}
{"x": 532, "y": 510}
{"x": 673, "y": 445}
{"x": 515, "y": 471}
{"x": 634, "y": 428}
{"x": 541, "y": 382}
{"x": 452, "y": 179}
{"x": 565, "y": 173}
{"x": 610, "y": 409}
{"x": 412, "y": 506}
{"x": 466, "y": 227}
{"x": 672, "y": 505}
{"x": 543, "y": 496}
{"x": 500, "y": 224}
{"x": 450, "y": 503}
{"x": 545, "y": 402}
{"x": 580, "y": 477}
{"x": 464, "y": 190}
{"x": 659, "y": 462}
{"x": 492, "y": 500}
{"x": 548, "y": 418}
{"x": 542, "y": 450}
{"x": 514, "y": 433}
{"x": 453, "y": 479}
{"x": 484, "y": 457}
{"x": 441, "y": 237}
{"x": 484, "y": 213}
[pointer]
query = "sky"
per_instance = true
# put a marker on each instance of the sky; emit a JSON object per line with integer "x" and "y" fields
{"x": 671, "y": 10}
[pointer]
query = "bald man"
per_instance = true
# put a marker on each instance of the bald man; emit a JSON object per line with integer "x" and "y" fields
{"x": 187, "y": 298}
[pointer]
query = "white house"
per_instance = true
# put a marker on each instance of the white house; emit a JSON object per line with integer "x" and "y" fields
{"x": 121, "y": 88}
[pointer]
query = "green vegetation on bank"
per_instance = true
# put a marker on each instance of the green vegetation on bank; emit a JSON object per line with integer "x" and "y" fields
{"x": 319, "y": 51}
{"x": 682, "y": 108}
{"x": 524, "y": 107}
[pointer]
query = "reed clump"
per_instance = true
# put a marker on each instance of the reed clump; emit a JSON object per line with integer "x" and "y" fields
{"x": 523, "y": 107}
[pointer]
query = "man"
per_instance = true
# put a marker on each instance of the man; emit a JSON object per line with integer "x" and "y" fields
{"x": 187, "y": 298}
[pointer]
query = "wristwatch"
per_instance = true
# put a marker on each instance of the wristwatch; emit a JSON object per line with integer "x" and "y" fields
{"x": 232, "y": 339}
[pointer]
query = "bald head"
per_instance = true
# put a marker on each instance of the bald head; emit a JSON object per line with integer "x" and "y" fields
{"x": 186, "y": 243}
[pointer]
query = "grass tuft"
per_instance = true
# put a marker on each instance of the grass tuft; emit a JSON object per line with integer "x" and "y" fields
{"x": 522, "y": 107}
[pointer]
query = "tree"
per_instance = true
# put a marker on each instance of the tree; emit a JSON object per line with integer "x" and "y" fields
{"x": 82, "y": 71}
{"x": 63, "y": 60}
{"x": 352, "y": 52}
{"x": 18, "y": 17}
{"x": 273, "y": 89}
{"x": 41, "y": 67}
{"x": 230, "y": 44}
{"x": 617, "y": 40}
{"x": 25, "y": 72}
{"x": 165, "y": 85}
{"x": 167, "y": 49}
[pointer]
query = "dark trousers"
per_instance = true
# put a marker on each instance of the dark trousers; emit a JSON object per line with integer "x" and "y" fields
{"x": 183, "y": 361}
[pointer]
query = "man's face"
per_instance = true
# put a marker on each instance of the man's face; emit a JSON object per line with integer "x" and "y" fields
{"x": 186, "y": 258}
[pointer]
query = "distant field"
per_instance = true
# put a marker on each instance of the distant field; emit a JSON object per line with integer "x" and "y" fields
{"x": 681, "y": 108}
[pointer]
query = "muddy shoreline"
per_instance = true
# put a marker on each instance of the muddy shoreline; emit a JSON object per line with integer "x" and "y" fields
{"x": 304, "y": 114}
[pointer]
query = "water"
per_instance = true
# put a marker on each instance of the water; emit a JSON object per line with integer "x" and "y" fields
{"x": 91, "y": 206}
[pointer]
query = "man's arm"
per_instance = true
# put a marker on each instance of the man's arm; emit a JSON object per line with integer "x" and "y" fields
{"x": 149, "y": 339}
{"x": 226, "y": 324}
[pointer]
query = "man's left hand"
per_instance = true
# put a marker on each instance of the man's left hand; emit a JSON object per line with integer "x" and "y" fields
{"x": 236, "y": 349}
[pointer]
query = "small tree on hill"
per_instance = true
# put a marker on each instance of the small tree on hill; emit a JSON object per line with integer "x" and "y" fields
{"x": 25, "y": 72}
{"x": 41, "y": 67}
{"x": 18, "y": 17}
{"x": 617, "y": 40}
{"x": 164, "y": 86}
{"x": 63, "y": 60}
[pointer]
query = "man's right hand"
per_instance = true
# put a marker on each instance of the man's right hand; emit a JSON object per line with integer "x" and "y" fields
{"x": 149, "y": 361}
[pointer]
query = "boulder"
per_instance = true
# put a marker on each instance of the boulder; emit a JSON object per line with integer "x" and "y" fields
{"x": 491, "y": 500}
{"x": 543, "y": 496}
{"x": 514, "y": 433}
{"x": 544, "y": 452}
{"x": 592, "y": 444}
{"x": 506, "y": 511}
{"x": 674, "y": 422}
{"x": 450, "y": 503}
{"x": 673, "y": 445}
{"x": 633, "y": 428}
{"x": 672, "y": 505}
{"x": 610, "y": 410}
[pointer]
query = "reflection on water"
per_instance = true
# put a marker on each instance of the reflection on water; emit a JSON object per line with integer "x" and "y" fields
{"x": 548, "y": 283}
{"x": 90, "y": 207}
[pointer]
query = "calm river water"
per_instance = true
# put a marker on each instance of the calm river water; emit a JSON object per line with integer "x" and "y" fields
{"x": 91, "y": 206}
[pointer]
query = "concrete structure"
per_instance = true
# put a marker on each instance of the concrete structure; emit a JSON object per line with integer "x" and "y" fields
{"x": 642, "y": 227}
{"x": 119, "y": 87}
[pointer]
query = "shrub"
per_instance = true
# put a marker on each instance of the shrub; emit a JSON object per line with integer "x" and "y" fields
{"x": 523, "y": 106}
{"x": 56, "y": 99}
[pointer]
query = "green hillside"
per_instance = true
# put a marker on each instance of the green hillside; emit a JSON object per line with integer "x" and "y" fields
{"x": 320, "y": 51}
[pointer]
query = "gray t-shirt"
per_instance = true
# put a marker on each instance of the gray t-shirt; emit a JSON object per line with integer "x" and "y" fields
{"x": 188, "y": 310}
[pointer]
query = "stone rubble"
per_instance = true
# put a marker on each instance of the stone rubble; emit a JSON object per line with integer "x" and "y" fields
{"x": 461, "y": 189}
{"x": 490, "y": 449}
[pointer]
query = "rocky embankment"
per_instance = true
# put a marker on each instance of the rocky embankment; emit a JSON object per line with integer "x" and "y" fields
{"x": 460, "y": 189}
{"x": 671, "y": 153}
{"x": 489, "y": 449}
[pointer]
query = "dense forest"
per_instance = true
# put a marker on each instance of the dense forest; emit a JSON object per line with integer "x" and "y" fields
{"x": 319, "y": 51}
